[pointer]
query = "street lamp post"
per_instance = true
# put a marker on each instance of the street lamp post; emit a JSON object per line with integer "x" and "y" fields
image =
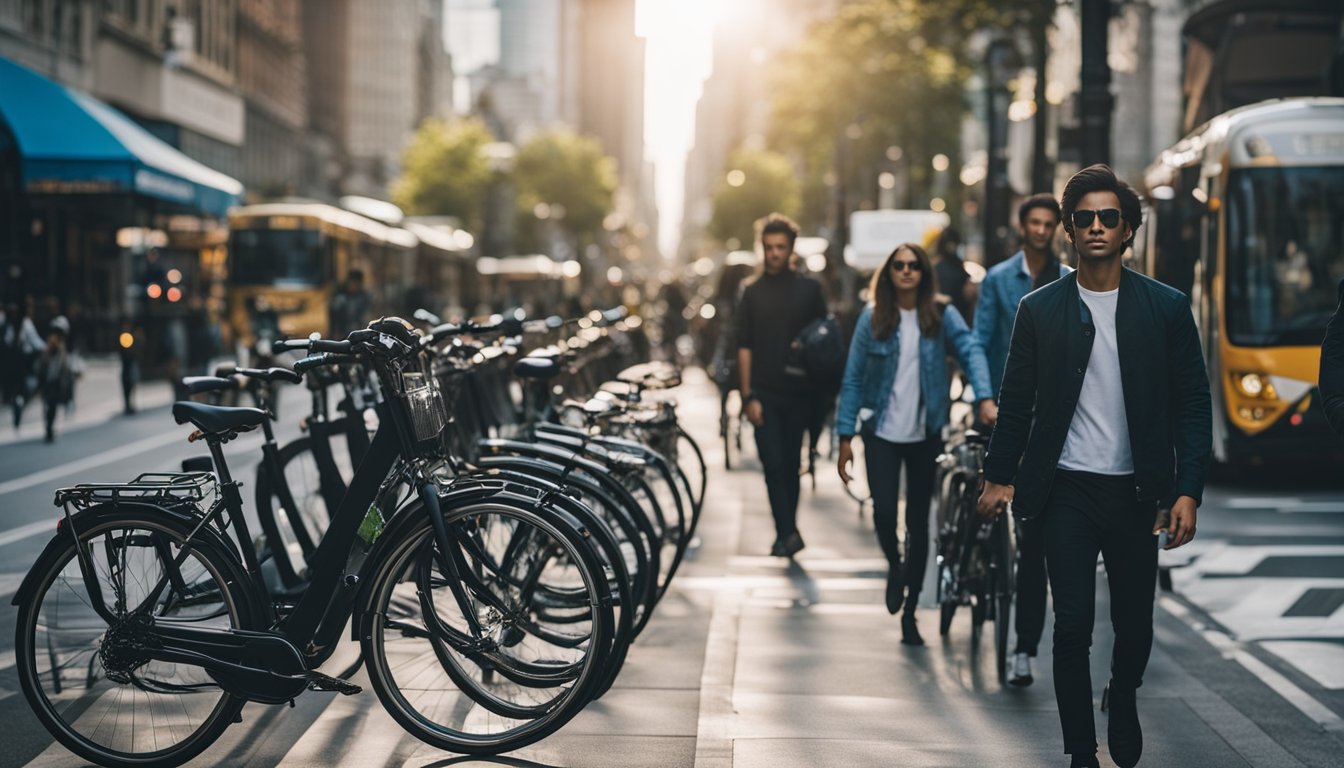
{"x": 1095, "y": 100}
{"x": 1002, "y": 61}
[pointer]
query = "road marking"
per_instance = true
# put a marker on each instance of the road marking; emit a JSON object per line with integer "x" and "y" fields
{"x": 97, "y": 460}
{"x": 23, "y": 532}
{"x": 1286, "y": 506}
{"x": 713, "y": 736}
{"x": 238, "y": 447}
{"x": 1231, "y": 649}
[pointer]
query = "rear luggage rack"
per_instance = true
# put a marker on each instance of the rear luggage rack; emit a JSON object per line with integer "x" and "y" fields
{"x": 168, "y": 488}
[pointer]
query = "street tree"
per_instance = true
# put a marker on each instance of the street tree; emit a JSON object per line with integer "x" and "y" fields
{"x": 564, "y": 178}
{"x": 446, "y": 171}
{"x": 756, "y": 182}
{"x": 882, "y": 85}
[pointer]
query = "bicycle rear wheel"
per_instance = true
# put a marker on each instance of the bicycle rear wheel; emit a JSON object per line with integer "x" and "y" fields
{"x": 462, "y": 654}
{"x": 87, "y": 679}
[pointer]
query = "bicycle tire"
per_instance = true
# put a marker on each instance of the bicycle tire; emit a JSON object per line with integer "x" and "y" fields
{"x": 216, "y": 564}
{"x": 511, "y": 733}
{"x": 1004, "y": 589}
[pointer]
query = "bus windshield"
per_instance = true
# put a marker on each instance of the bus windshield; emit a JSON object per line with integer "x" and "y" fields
{"x": 1285, "y": 254}
{"x": 276, "y": 257}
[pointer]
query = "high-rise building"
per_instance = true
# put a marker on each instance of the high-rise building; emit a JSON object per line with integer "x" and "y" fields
{"x": 273, "y": 77}
{"x": 374, "y": 74}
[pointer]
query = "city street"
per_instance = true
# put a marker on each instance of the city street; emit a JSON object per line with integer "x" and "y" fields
{"x": 752, "y": 661}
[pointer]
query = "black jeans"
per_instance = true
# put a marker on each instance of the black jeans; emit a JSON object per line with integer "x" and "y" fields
{"x": 883, "y": 459}
{"x": 1031, "y": 586}
{"x": 779, "y": 444}
{"x": 1089, "y": 514}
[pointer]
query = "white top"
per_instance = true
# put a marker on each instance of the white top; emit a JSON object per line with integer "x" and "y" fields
{"x": 1099, "y": 433}
{"x": 903, "y": 420}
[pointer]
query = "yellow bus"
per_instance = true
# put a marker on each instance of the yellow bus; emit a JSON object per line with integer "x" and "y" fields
{"x": 287, "y": 259}
{"x": 1246, "y": 216}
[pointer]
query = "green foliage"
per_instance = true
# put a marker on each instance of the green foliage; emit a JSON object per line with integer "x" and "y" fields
{"x": 768, "y": 184}
{"x": 560, "y": 168}
{"x": 880, "y": 74}
{"x": 445, "y": 171}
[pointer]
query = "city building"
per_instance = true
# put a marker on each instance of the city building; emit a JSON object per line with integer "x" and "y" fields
{"x": 273, "y": 77}
{"x": 375, "y": 71}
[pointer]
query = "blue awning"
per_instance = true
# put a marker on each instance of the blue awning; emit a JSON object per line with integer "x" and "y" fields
{"x": 70, "y": 142}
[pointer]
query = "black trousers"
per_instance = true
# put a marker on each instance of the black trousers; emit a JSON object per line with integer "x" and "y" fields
{"x": 1031, "y": 586}
{"x": 779, "y": 444}
{"x": 883, "y": 460}
{"x": 1090, "y": 514}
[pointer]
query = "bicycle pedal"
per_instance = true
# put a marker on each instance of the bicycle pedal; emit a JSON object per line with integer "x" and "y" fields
{"x": 320, "y": 682}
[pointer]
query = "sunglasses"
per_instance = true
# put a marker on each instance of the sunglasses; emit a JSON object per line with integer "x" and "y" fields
{"x": 906, "y": 266}
{"x": 1110, "y": 218}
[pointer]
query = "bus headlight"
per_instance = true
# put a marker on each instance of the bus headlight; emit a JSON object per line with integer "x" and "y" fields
{"x": 1254, "y": 385}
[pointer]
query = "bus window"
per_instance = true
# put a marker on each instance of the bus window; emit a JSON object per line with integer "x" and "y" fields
{"x": 1285, "y": 254}
{"x": 276, "y": 257}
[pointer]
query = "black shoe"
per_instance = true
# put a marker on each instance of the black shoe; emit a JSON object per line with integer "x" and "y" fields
{"x": 895, "y": 589}
{"x": 1124, "y": 736}
{"x": 777, "y": 549}
{"x": 1084, "y": 761}
{"x": 909, "y": 630}
{"x": 793, "y": 545}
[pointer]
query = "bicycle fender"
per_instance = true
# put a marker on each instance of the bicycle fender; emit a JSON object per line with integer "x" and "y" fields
{"x": 85, "y": 518}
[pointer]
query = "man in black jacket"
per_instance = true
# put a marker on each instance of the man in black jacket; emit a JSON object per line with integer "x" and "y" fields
{"x": 776, "y": 392}
{"x": 1332, "y": 368}
{"x": 1104, "y": 433}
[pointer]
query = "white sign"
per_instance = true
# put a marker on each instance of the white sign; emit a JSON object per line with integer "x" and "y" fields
{"x": 874, "y": 234}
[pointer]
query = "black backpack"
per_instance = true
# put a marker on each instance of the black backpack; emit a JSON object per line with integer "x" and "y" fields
{"x": 822, "y": 351}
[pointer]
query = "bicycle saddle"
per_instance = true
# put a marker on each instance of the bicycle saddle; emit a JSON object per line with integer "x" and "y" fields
{"x": 198, "y": 384}
{"x": 537, "y": 368}
{"x": 216, "y": 419}
{"x": 270, "y": 374}
{"x": 654, "y": 375}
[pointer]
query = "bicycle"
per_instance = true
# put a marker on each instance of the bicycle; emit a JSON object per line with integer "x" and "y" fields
{"x": 483, "y": 613}
{"x": 976, "y": 557}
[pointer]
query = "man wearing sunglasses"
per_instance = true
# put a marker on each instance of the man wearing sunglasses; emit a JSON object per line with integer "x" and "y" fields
{"x": 1104, "y": 434}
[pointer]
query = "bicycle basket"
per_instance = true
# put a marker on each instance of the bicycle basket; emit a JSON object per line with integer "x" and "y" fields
{"x": 424, "y": 401}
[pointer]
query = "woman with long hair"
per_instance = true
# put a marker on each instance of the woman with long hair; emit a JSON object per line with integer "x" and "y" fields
{"x": 895, "y": 394}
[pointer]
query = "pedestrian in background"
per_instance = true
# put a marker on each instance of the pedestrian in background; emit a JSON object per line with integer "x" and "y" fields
{"x": 129, "y": 345}
{"x": 23, "y": 346}
{"x": 1035, "y": 266}
{"x": 1332, "y": 368}
{"x": 350, "y": 307}
{"x": 953, "y": 279}
{"x": 776, "y": 392}
{"x": 895, "y": 395}
{"x": 56, "y": 373}
{"x": 1104, "y": 433}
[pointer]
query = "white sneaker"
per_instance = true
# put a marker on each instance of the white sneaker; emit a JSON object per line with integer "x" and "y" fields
{"x": 1019, "y": 671}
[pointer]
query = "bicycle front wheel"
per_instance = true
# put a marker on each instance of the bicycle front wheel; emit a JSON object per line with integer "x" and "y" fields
{"x": 493, "y": 645}
{"x": 87, "y": 678}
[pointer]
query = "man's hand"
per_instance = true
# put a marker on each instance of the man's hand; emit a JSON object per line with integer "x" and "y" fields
{"x": 1181, "y": 528}
{"x": 989, "y": 412}
{"x": 842, "y": 463}
{"x": 755, "y": 414}
{"x": 994, "y": 499}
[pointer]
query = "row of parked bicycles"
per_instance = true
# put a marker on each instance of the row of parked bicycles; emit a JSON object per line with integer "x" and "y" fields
{"x": 493, "y": 510}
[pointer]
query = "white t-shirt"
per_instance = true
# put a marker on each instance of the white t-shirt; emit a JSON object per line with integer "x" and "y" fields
{"x": 1099, "y": 433}
{"x": 903, "y": 420}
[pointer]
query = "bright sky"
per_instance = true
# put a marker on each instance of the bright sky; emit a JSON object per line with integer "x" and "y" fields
{"x": 677, "y": 60}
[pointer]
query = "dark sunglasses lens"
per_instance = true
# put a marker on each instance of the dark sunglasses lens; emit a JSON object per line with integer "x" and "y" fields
{"x": 905, "y": 266}
{"x": 1110, "y": 218}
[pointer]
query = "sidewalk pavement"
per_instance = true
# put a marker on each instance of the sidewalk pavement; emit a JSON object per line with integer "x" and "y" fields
{"x": 97, "y": 401}
{"x": 759, "y": 662}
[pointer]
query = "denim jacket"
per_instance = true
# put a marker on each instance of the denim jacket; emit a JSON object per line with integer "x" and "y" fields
{"x": 1002, "y": 289}
{"x": 870, "y": 373}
